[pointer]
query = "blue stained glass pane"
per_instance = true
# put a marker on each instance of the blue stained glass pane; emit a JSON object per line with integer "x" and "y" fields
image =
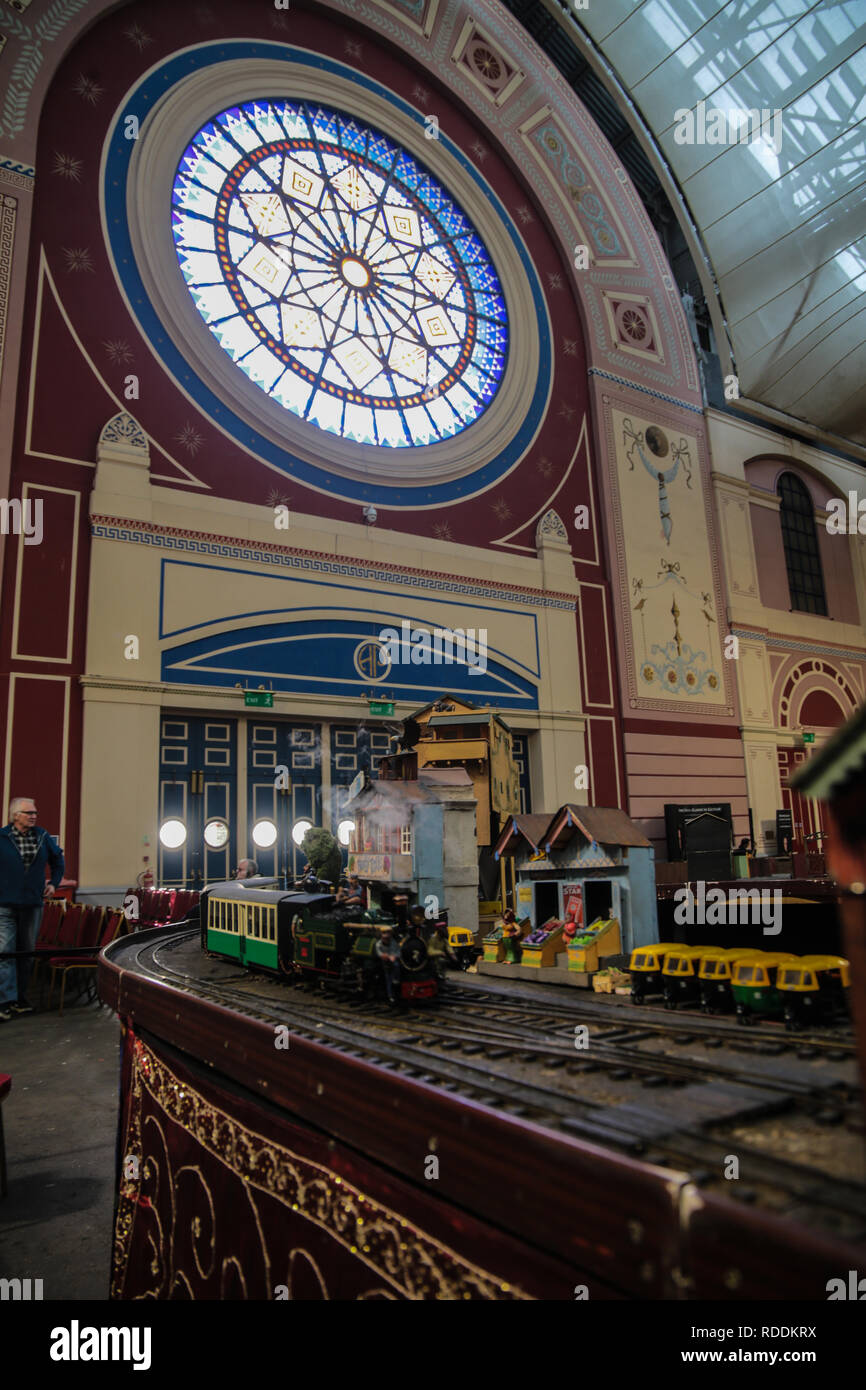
{"x": 339, "y": 274}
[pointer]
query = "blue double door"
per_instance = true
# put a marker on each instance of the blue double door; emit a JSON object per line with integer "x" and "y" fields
{"x": 197, "y": 788}
{"x": 259, "y": 778}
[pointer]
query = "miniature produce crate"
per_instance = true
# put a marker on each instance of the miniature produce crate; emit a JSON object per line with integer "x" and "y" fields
{"x": 604, "y": 940}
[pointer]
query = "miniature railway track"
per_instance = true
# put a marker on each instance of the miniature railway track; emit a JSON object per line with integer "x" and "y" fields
{"x": 635, "y": 1021}
{"x": 458, "y": 1058}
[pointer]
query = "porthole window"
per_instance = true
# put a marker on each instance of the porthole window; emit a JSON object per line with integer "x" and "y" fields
{"x": 264, "y": 834}
{"x": 216, "y": 834}
{"x": 172, "y": 834}
{"x": 299, "y": 830}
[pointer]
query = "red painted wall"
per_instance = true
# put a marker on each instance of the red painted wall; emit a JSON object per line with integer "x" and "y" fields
{"x": 90, "y": 330}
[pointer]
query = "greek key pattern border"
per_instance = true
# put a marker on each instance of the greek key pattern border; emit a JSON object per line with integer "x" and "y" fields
{"x": 218, "y": 547}
{"x": 8, "y": 213}
{"x": 789, "y": 644}
{"x": 647, "y": 390}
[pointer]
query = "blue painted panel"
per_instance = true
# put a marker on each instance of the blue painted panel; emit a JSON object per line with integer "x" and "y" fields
{"x": 326, "y": 657}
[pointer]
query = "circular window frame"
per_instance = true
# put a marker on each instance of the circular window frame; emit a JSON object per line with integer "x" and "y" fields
{"x": 217, "y": 820}
{"x": 153, "y": 284}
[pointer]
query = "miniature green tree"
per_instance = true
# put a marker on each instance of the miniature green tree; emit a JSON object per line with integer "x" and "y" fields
{"x": 323, "y": 852}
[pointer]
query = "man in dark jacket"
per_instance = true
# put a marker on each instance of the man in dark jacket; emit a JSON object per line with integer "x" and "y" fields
{"x": 25, "y": 850}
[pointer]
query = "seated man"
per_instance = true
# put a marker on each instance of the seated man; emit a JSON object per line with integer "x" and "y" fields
{"x": 440, "y": 950}
{"x": 247, "y": 868}
{"x": 388, "y": 953}
{"x": 357, "y": 893}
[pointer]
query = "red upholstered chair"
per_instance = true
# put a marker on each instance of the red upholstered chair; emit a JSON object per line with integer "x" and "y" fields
{"x": 185, "y": 899}
{"x": 5, "y": 1088}
{"x": 91, "y": 925}
{"x": 84, "y": 961}
{"x": 53, "y": 914}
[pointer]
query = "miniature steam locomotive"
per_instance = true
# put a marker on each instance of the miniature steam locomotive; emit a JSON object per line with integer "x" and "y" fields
{"x": 306, "y": 934}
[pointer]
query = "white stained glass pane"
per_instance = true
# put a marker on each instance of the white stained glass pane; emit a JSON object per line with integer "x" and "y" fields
{"x": 359, "y": 425}
{"x": 350, "y": 256}
{"x": 236, "y": 337}
{"x": 197, "y": 235}
{"x": 197, "y": 199}
{"x": 420, "y": 425}
{"x": 215, "y": 302}
{"x": 264, "y": 367}
{"x": 389, "y": 424}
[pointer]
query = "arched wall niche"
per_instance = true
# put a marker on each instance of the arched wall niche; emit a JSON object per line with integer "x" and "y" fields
{"x": 837, "y": 566}
{"x": 765, "y": 470}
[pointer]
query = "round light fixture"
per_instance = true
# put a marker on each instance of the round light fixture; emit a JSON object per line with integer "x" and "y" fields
{"x": 172, "y": 834}
{"x": 299, "y": 830}
{"x": 264, "y": 834}
{"x": 344, "y": 831}
{"x": 216, "y": 834}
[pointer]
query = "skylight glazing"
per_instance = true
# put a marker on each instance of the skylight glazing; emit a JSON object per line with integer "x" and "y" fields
{"x": 338, "y": 274}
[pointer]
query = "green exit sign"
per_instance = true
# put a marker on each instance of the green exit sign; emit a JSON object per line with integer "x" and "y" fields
{"x": 808, "y": 738}
{"x": 381, "y": 706}
{"x": 259, "y": 699}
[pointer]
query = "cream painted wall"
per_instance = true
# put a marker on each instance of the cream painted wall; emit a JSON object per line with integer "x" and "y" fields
{"x": 123, "y": 697}
{"x": 733, "y": 443}
{"x": 119, "y": 788}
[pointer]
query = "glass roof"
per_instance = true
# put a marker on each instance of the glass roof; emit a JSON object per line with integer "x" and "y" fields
{"x": 775, "y": 183}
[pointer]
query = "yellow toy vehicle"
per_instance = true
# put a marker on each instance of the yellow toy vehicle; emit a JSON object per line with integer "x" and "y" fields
{"x": 715, "y": 975}
{"x": 463, "y": 947}
{"x": 754, "y": 985}
{"x": 813, "y": 989}
{"x": 646, "y": 969}
{"x": 680, "y": 983}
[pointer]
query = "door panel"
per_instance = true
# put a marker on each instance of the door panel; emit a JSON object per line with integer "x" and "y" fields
{"x": 197, "y": 783}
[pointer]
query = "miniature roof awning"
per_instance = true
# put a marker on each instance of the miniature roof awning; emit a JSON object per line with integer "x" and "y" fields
{"x": 520, "y": 831}
{"x": 841, "y": 760}
{"x": 439, "y": 721}
{"x": 603, "y": 825}
{"x": 384, "y": 796}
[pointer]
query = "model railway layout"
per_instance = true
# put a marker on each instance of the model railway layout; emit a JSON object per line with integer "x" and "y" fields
{"x": 680, "y": 1092}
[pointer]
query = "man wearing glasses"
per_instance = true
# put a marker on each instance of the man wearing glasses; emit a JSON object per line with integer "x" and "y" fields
{"x": 25, "y": 850}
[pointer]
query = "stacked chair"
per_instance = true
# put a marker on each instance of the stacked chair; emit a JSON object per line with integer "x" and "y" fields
{"x": 103, "y": 930}
{"x": 5, "y": 1088}
{"x": 71, "y": 935}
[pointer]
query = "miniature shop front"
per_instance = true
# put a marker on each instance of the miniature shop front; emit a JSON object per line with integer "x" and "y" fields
{"x": 584, "y": 894}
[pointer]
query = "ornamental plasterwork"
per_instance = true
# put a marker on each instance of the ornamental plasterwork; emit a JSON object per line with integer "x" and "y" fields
{"x": 122, "y": 430}
{"x": 551, "y": 527}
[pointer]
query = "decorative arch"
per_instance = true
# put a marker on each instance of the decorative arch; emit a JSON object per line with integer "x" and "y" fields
{"x": 799, "y": 679}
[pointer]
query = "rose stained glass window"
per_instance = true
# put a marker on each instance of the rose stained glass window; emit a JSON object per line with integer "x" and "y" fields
{"x": 338, "y": 274}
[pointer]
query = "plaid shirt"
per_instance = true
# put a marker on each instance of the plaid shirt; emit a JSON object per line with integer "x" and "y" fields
{"x": 27, "y": 843}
